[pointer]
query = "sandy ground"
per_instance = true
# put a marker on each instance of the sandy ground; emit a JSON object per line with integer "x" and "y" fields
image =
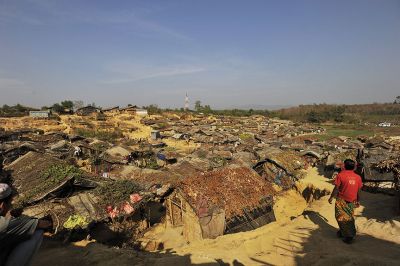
{"x": 304, "y": 234}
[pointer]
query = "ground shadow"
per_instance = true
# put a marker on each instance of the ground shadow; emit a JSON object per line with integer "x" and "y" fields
{"x": 322, "y": 246}
{"x": 325, "y": 171}
{"x": 379, "y": 207}
{"x": 56, "y": 253}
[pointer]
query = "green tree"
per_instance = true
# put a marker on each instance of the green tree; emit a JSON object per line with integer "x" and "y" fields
{"x": 67, "y": 104}
{"x": 153, "y": 109}
{"x": 197, "y": 106}
{"x": 207, "y": 109}
{"x": 20, "y": 108}
{"x": 6, "y": 108}
{"x": 57, "y": 108}
{"x": 337, "y": 113}
{"x": 313, "y": 117}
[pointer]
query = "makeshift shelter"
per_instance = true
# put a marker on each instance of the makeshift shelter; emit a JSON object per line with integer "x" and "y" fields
{"x": 141, "y": 112}
{"x": 9, "y": 136}
{"x": 282, "y": 168}
{"x": 336, "y": 156}
{"x": 84, "y": 205}
{"x": 155, "y": 134}
{"x": 109, "y": 200}
{"x": 17, "y": 149}
{"x": 311, "y": 157}
{"x": 129, "y": 109}
{"x": 88, "y": 110}
{"x": 39, "y": 114}
{"x": 391, "y": 166}
{"x": 39, "y": 176}
{"x": 227, "y": 200}
{"x": 111, "y": 110}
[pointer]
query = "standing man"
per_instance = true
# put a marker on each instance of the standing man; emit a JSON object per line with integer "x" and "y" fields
{"x": 77, "y": 151}
{"x": 20, "y": 237}
{"x": 347, "y": 194}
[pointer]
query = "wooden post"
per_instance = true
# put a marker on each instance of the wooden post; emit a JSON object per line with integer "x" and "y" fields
{"x": 171, "y": 212}
{"x": 149, "y": 218}
{"x": 181, "y": 211}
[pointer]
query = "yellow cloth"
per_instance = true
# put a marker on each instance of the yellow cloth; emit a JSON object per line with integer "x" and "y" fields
{"x": 74, "y": 221}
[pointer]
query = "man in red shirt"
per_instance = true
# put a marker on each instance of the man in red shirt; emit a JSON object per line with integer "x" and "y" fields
{"x": 347, "y": 193}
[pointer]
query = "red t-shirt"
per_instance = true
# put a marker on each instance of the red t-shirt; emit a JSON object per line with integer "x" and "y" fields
{"x": 348, "y": 183}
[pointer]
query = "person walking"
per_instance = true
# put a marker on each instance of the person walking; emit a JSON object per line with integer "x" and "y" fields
{"x": 347, "y": 194}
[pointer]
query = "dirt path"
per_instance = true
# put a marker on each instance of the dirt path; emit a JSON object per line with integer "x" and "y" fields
{"x": 306, "y": 238}
{"x": 310, "y": 239}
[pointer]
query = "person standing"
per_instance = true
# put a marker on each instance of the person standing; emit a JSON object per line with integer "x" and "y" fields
{"x": 347, "y": 194}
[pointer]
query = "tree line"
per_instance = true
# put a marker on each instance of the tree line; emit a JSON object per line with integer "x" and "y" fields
{"x": 313, "y": 113}
{"x": 360, "y": 113}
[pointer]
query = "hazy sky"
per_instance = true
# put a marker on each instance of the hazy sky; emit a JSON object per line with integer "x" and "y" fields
{"x": 224, "y": 53}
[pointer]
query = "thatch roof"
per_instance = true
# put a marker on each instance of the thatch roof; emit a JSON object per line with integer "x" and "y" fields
{"x": 232, "y": 188}
{"x": 29, "y": 178}
{"x": 289, "y": 161}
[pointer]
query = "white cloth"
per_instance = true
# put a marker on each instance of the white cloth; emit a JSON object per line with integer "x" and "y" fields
{"x": 5, "y": 191}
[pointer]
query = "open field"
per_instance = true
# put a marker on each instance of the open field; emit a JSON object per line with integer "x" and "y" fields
{"x": 354, "y": 131}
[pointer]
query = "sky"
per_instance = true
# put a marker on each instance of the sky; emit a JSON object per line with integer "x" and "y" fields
{"x": 224, "y": 53}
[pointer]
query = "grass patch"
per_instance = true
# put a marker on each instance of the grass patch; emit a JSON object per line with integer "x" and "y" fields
{"x": 350, "y": 131}
{"x": 354, "y": 131}
{"x": 245, "y": 136}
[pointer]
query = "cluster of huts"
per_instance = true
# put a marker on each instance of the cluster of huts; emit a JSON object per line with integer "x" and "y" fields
{"x": 93, "y": 110}
{"x": 226, "y": 185}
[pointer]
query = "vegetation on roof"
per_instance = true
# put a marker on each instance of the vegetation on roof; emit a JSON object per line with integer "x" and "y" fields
{"x": 117, "y": 191}
{"x": 50, "y": 178}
